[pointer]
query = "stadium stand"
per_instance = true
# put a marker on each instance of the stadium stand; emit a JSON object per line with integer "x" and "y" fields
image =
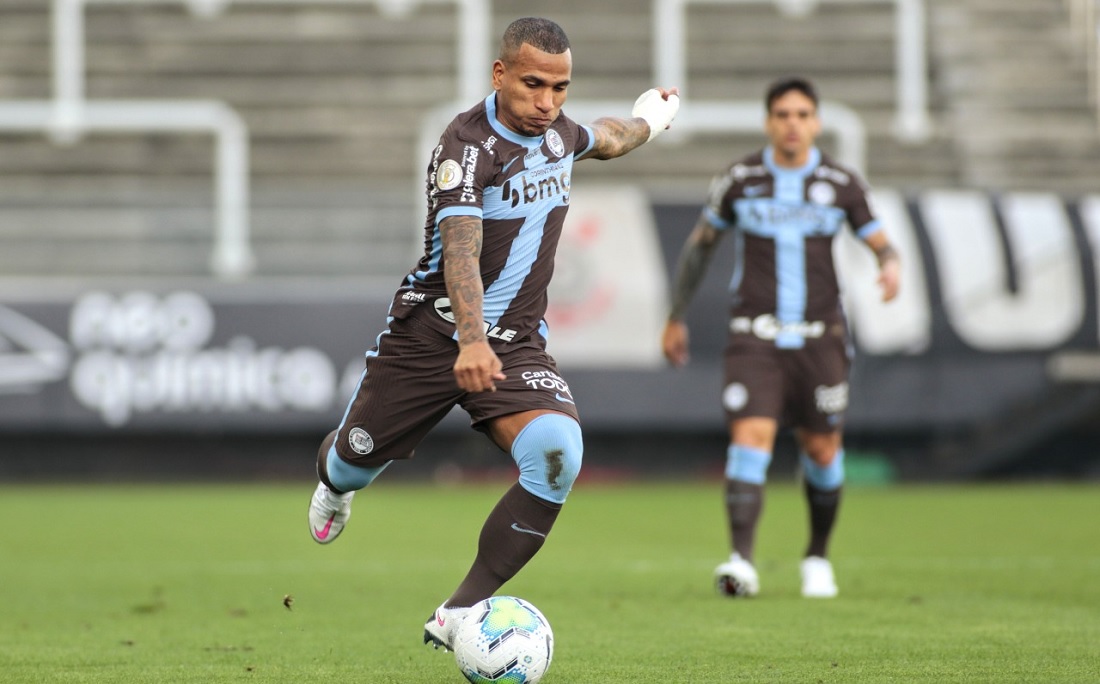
{"x": 332, "y": 95}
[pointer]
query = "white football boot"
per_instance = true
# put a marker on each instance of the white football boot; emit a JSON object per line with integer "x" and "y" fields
{"x": 328, "y": 513}
{"x": 818, "y": 580}
{"x": 737, "y": 577}
{"x": 441, "y": 627}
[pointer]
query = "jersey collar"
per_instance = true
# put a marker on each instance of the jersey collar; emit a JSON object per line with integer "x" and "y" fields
{"x": 812, "y": 162}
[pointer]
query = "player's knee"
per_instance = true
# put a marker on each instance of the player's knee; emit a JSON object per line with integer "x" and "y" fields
{"x": 548, "y": 451}
{"x": 826, "y": 477}
{"x": 747, "y": 464}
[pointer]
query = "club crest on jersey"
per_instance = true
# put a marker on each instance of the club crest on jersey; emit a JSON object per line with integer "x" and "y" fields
{"x": 735, "y": 396}
{"x": 360, "y": 441}
{"x": 554, "y": 142}
{"x": 822, "y": 193}
{"x": 449, "y": 175}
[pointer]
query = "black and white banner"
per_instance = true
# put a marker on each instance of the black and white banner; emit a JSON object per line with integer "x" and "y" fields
{"x": 999, "y": 302}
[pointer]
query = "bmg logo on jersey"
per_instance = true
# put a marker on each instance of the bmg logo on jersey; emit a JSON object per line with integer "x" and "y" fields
{"x": 544, "y": 183}
{"x": 548, "y": 381}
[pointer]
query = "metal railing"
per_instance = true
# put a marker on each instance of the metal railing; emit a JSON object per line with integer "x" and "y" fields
{"x": 911, "y": 121}
{"x": 1084, "y": 24}
{"x": 69, "y": 115}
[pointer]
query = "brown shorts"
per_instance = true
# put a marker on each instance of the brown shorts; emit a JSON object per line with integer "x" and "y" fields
{"x": 408, "y": 386}
{"x": 805, "y": 387}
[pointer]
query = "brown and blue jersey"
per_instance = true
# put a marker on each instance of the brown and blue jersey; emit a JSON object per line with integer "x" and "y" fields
{"x": 784, "y": 283}
{"x": 519, "y": 187}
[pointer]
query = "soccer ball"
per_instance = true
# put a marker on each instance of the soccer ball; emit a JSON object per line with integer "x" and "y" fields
{"x": 504, "y": 639}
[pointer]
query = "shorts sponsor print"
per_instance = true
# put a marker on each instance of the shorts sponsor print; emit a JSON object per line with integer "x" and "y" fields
{"x": 409, "y": 386}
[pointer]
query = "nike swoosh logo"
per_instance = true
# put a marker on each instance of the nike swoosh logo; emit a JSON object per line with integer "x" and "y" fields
{"x": 561, "y": 398}
{"x": 524, "y": 530}
{"x": 440, "y": 620}
{"x": 323, "y": 533}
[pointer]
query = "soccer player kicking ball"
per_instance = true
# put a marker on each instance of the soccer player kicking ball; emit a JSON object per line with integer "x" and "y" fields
{"x": 466, "y": 326}
{"x": 787, "y": 357}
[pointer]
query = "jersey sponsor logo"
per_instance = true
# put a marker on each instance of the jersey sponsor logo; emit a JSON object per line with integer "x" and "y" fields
{"x": 742, "y": 171}
{"x": 360, "y": 441}
{"x": 443, "y": 308}
{"x": 550, "y": 381}
{"x": 554, "y": 142}
{"x": 831, "y": 399}
{"x": 469, "y": 165}
{"x": 822, "y": 193}
{"x": 835, "y": 175}
{"x": 433, "y": 189}
{"x": 771, "y": 213}
{"x": 768, "y": 327}
{"x": 415, "y": 297}
{"x": 541, "y": 185}
{"x": 449, "y": 175}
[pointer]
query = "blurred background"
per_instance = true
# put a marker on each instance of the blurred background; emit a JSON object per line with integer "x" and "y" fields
{"x": 206, "y": 205}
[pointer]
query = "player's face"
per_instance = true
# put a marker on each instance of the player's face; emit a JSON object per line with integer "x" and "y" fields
{"x": 531, "y": 89}
{"x": 792, "y": 126}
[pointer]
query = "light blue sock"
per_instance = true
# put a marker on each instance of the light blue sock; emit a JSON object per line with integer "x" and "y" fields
{"x": 346, "y": 477}
{"x": 826, "y": 478}
{"x": 747, "y": 464}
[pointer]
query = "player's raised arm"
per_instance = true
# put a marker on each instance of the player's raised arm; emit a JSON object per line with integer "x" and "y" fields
{"x": 652, "y": 113}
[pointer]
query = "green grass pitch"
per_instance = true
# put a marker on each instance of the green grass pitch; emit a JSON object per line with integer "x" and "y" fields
{"x": 992, "y": 583}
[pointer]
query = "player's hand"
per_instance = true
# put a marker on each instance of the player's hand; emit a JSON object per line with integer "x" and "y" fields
{"x": 477, "y": 368}
{"x": 658, "y": 106}
{"x": 889, "y": 279}
{"x": 674, "y": 343}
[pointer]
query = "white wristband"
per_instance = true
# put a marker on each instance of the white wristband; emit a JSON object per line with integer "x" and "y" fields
{"x": 657, "y": 111}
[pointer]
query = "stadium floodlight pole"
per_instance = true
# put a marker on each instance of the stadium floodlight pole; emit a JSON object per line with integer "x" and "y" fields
{"x": 911, "y": 122}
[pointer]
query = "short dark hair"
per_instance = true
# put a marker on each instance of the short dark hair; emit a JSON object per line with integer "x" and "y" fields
{"x": 783, "y": 86}
{"x": 542, "y": 34}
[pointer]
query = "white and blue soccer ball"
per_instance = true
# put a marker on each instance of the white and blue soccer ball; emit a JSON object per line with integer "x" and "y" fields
{"x": 504, "y": 639}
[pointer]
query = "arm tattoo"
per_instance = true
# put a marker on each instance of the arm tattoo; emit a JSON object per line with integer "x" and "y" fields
{"x": 461, "y": 237}
{"x": 615, "y": 137}
{"x": 694, "y": 258}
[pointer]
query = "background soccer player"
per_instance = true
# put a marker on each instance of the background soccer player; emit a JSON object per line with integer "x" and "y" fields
{"x": 788, "y": 354}
{"x": 466, "y": 326}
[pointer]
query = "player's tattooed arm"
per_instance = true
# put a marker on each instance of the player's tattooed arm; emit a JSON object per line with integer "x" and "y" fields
{"x": 461, "y": 236}
{"x": 614, "y": 137}
{"x": 692, "y": 265}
